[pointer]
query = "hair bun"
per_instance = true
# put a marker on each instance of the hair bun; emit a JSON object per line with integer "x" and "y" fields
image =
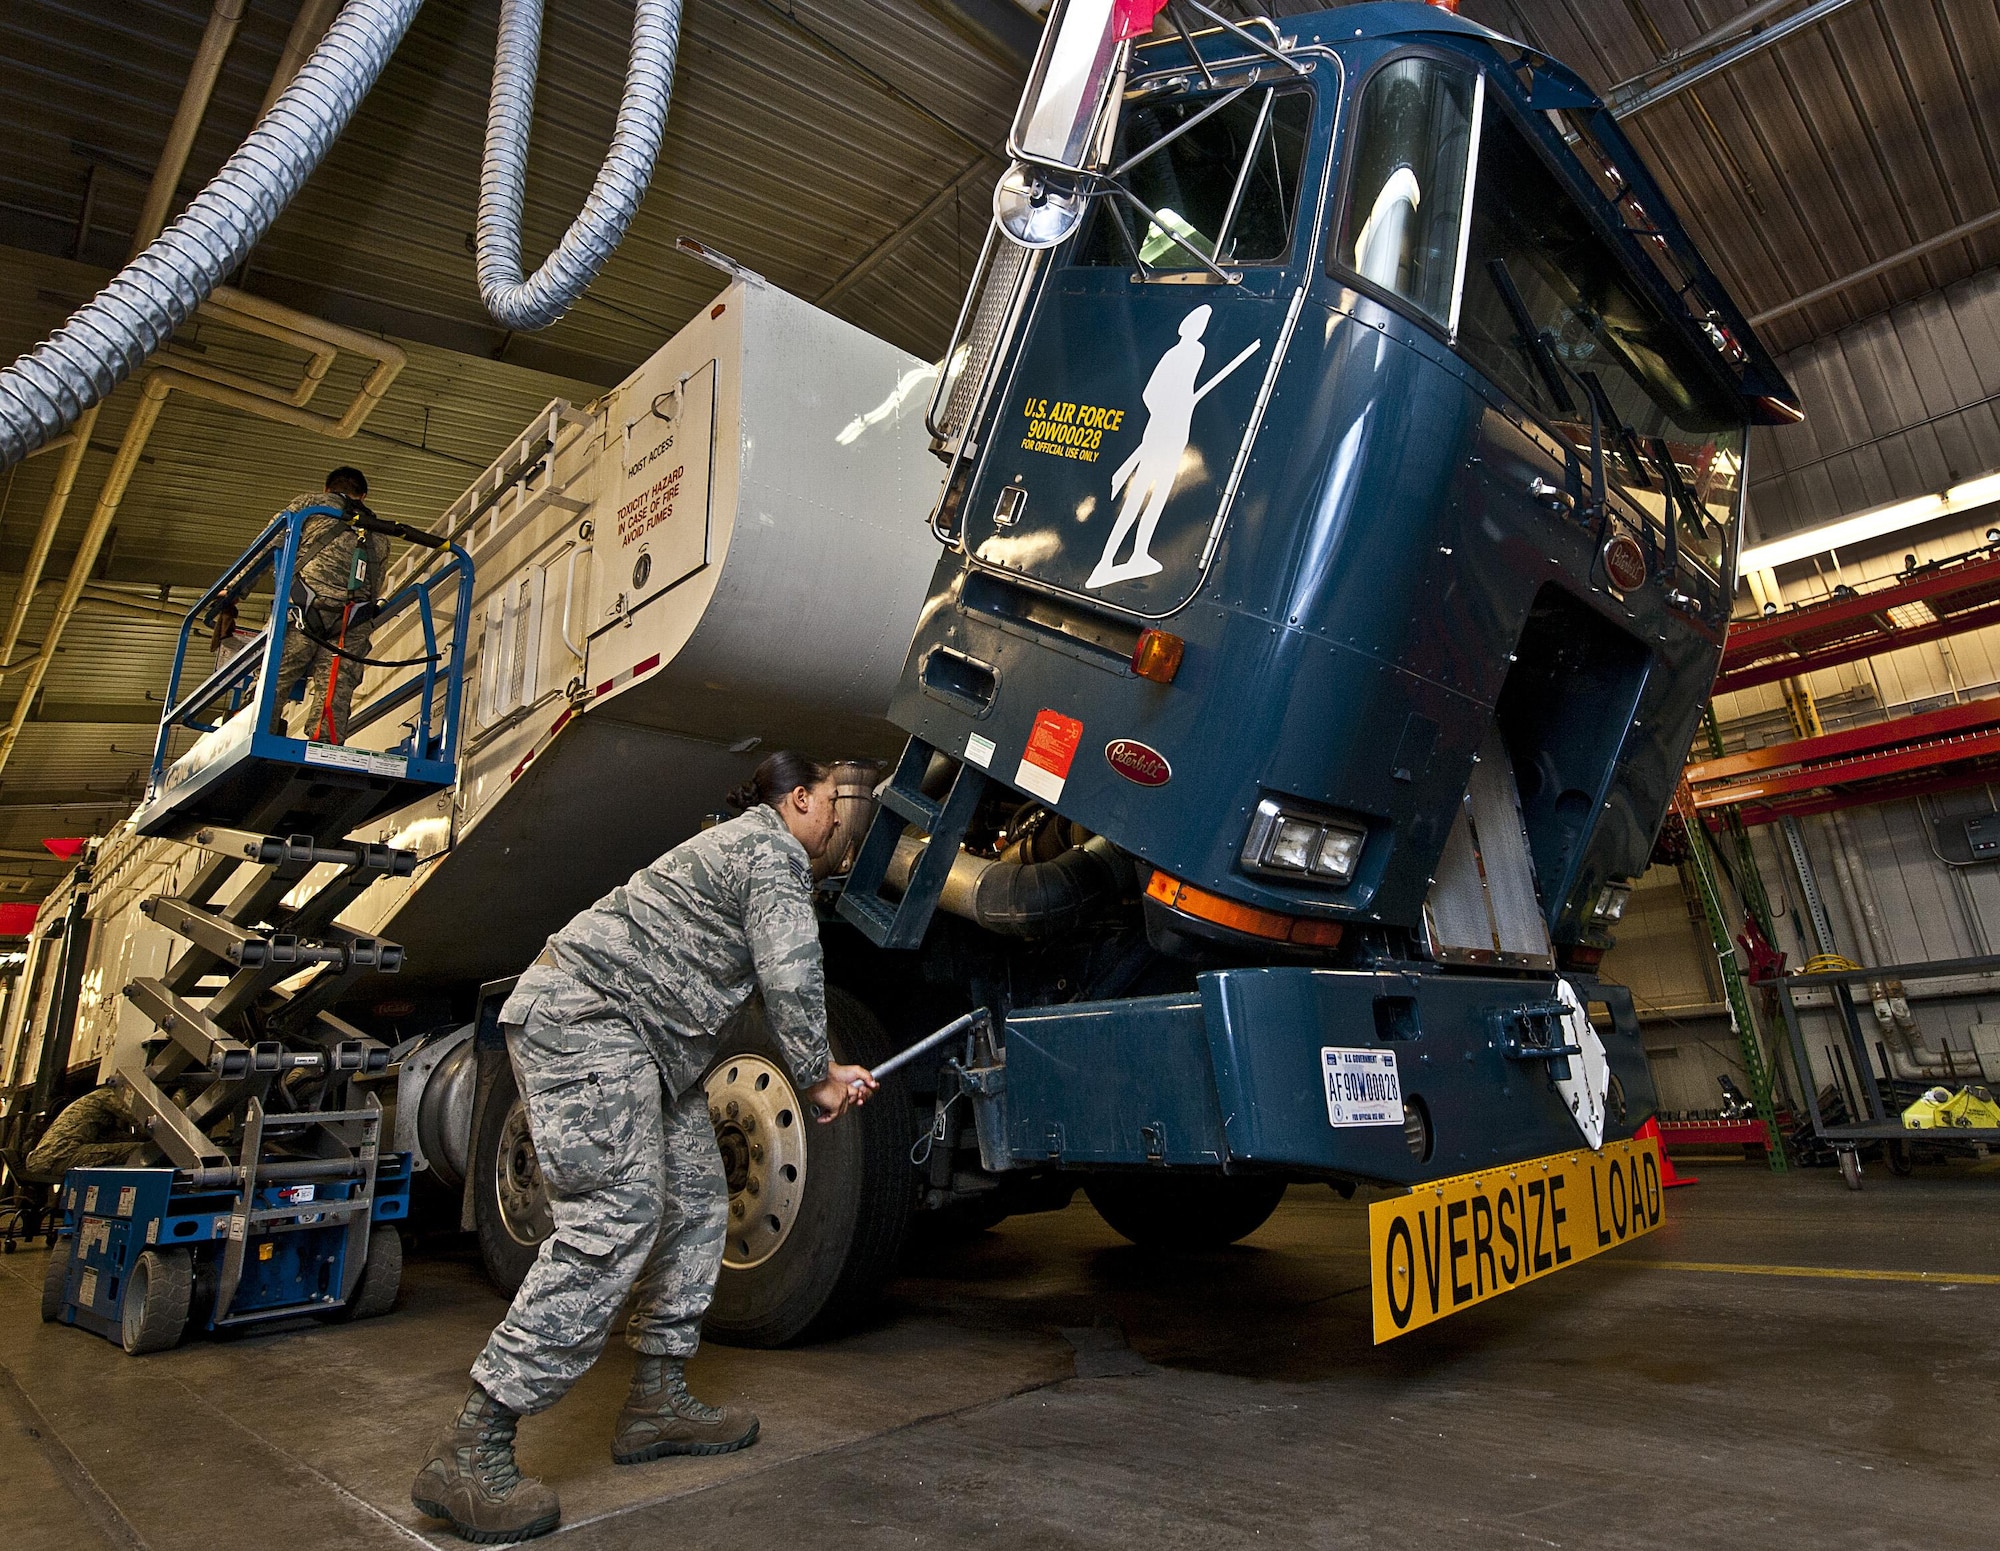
{"x": 743, "y": 798}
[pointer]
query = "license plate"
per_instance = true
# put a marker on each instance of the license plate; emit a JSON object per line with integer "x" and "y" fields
{"x": 1455, "y": 1242}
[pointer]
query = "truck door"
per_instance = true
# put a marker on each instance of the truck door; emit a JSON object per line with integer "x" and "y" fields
{"x": 1115, "y": 443}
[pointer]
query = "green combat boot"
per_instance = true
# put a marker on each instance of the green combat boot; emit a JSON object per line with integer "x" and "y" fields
{"x": 661, "y": 1418}
{"x": 471, "y": 1479}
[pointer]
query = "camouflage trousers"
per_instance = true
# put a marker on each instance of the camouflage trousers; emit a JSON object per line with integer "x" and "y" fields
{"x": 304, "y": 658}
{"x": 636, "y": 1188}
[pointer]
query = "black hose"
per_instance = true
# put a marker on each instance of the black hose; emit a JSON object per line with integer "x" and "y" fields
{"x": 368, "y": 662}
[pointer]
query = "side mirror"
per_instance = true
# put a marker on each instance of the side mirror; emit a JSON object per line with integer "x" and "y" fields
{"x": 1059, "y": 130}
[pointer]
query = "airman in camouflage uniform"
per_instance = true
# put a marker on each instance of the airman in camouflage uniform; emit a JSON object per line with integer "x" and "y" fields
{"x": 610, "y": 1032}
{"x": 335, "y": 583}
{"x": 94, "y": 1132}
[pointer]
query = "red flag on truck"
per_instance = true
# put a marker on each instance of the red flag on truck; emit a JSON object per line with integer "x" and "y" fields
{"x": 1135, "y": 17}
{"x": 66, "y": 848}
{"x": 17, "y": 920}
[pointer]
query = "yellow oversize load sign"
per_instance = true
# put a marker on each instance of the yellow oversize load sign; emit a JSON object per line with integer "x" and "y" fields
{"x": 1455, "y": 1242}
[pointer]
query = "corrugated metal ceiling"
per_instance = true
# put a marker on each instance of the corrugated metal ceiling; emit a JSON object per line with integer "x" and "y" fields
{"x": 1839, "y": 146}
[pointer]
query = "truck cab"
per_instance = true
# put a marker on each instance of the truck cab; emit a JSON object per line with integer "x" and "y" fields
{"x": 1346, "y": 465}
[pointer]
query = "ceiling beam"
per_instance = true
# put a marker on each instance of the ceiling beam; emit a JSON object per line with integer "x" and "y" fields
{"x": 1916, "y": 250}
{"x": 1635, "y": 97}
{"x": 870, "y": 260}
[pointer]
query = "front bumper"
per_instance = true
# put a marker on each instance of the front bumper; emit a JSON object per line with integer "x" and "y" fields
{"x": 1233, "y": 1074}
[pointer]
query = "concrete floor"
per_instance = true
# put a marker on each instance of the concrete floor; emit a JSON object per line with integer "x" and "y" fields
{"x": 1047, "y": 1385}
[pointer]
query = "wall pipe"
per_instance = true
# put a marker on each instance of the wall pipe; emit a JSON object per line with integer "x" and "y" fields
{"x": 308, "y": 27}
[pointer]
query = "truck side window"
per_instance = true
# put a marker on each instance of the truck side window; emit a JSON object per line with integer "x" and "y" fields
{"x": 1400, "y": 229}
{"x": 1235, "y": 175}
{"x": 1600, "y": 337}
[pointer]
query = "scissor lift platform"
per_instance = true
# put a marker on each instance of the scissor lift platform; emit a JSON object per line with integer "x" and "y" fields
{"x": 255, "y": 1094}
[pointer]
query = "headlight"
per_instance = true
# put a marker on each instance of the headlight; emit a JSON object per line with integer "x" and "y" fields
{"x": 1301, "y": 845}
{"x": 1611, "y": 902}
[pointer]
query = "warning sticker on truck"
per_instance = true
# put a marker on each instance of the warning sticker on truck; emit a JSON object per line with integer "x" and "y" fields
{"x": 1362, "y": 1087}
{"x": 1455, "y": 1242}
{"x": 1052, "y": 745}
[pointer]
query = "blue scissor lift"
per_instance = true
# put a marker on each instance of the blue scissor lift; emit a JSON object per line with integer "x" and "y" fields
{"x": 256, "y": 1096}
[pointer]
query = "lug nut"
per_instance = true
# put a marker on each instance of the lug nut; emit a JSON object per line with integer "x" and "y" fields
{"x": 749, "y": 1123}
{"x": 756, "y": 1152}
{"x": 755, "y": 1187}
{"x": 730, "y": 1109}
{"x": 735, "y": 1208}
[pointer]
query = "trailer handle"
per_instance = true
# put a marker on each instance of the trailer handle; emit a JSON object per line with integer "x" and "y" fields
{"x": 569, "y": 592}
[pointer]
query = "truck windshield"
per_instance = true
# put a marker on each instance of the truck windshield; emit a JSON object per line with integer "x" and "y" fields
{"x": 1550, "y": 314}
{"x": 1547, "y": 310}
{"x": 1219, "y": 173}
{"x": 1408, "y": 190}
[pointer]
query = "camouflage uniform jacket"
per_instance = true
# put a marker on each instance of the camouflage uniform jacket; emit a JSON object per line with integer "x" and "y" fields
{"x": 679, "y": 947}
{"x": 326, "y": 552}
{"x": 93, "y": 1132}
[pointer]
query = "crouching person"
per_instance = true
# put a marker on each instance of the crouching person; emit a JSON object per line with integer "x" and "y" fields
{"x": 610, "y": 1032}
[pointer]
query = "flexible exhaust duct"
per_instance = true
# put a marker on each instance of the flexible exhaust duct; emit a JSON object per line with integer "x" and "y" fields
{"x": 110, "y": 337}
{"x": 45, "y": 392}
{"x": 621, "y": 182}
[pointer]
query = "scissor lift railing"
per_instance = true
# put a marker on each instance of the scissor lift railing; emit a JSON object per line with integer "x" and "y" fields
{"x": 243, "y": 770}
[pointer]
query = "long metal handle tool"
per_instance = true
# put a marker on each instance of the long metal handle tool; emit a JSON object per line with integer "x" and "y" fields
{"x": 929, "y": 1042}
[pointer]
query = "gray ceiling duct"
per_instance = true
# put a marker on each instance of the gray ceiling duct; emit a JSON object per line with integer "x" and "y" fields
{"x": 621, "y": 182}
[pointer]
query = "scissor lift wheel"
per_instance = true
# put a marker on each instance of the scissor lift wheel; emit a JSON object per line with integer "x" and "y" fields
{"x": 381, "y": 1279}
{"x": 55, "y": 1281}
{"x": 156, "y": 1302}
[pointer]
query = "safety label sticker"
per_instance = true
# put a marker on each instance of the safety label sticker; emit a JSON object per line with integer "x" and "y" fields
{"x": 979, "y": 751}
{"x": 86, "y": 1290}
{"x": 128, "y": 1197}
{"x": 1052, "y": 746}
{"x": 1363, "y": 1087}
{"x": 341, "y": 757}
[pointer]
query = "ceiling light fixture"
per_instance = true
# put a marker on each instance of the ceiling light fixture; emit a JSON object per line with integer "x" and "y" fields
{"x": 1875, "y": 524}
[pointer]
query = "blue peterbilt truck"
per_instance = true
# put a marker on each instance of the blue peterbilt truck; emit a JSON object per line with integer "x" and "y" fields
{"x": 1346, "y": 451}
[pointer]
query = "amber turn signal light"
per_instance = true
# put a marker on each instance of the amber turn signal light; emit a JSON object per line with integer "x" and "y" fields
{"x": 1157, "y": 656}
{"x": 1249, "y": 920}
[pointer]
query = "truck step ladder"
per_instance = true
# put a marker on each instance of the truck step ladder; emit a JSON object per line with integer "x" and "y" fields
{"x": 905, "y": 809}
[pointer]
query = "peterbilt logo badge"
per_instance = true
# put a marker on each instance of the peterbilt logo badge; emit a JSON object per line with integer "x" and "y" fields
{"x": 1136, "y": 762}
{"x": 1624, "y": 562}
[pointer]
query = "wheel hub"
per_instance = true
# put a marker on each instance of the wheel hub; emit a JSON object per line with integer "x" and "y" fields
{"x": 517, "y": 1182}
{"x": 760, "y": 1131}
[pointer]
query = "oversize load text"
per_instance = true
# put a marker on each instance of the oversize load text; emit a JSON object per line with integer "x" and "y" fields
{"x": 1447, "y": 1246}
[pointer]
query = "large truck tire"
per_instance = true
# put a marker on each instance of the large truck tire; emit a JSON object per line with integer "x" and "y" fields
{"x": 1193, "y": 1211}
{"x": 509, "y": 1209}
{"x": 807, "y": 1253}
